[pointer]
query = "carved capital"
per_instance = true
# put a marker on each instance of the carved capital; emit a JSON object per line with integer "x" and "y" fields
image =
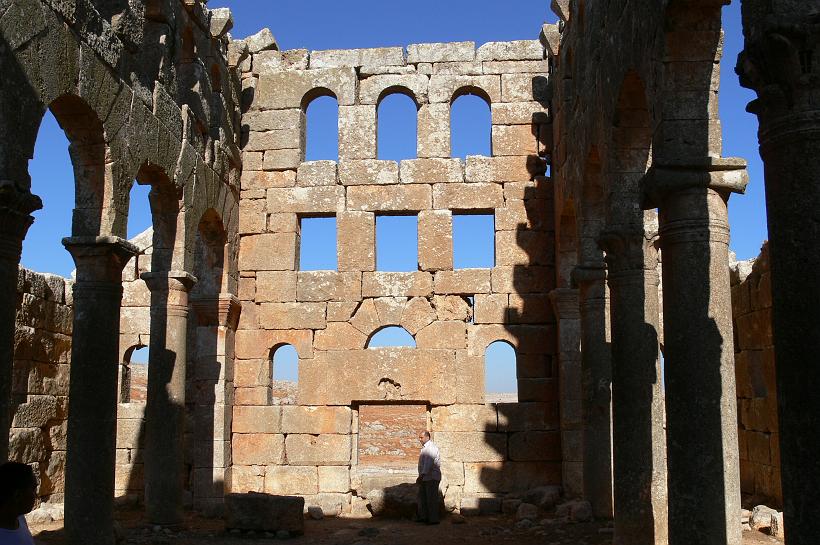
{"x": 169, "y": 291}
{"x": 222, "y": 310}
{"x": 629, "y": 251}
{"x": 668, "y": 176}
{"x": 100, "y": 259}
{"x": 588, "y": 274}
{"x": 16, "y": 206}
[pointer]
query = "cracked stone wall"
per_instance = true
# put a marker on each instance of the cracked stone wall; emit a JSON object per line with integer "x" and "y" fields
{"x": 758, "y": 437}
{"x": 311, "y": 445}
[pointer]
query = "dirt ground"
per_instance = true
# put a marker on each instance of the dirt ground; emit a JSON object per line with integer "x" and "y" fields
{"x": 348, "y": 531}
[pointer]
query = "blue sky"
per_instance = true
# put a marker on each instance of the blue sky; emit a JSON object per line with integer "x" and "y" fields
{"x": 325, "y": 24}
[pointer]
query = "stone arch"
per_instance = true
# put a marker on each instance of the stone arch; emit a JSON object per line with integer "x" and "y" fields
{"x": 283, "y": 391}
{"x": 308, "y": 119}
{"x": 402, "y": 132}
{"x": 500, "y": 397}
{"x": 392, "y": 330}
{"x": 398, "y": 90}
{"x": 474, "y": 90}
{"x": 470, "y": 91}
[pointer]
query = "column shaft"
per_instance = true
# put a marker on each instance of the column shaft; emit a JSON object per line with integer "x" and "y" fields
{"x": 639, "y": 450}
{"x": 701, "y": 405}
{"x": 597, "y": 397}
{"x": 165, "y": 407}
{"x": 92, "y": 413}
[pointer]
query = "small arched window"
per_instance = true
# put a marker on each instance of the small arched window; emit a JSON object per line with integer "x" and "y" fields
{"x": 284, "y": 375}
{"x": 139, "y": 210}
{"x": 322, "y": 133}
{"x": 391, "y": 336}
{"x": 397, "y": 127}
{"x": 470, "y": 125}
{"x": 500, "y": 373}
{"x": 134, "y": 375}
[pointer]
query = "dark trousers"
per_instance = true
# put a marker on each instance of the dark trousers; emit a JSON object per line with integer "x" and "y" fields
{"x": 428, "y": 504}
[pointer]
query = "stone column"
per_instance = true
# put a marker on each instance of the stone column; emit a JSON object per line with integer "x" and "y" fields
{"x": 216, "y": 320}
{"x": 639, "y": 438}
{"x": 701, "y": 404}
{"x": 92, "y": 411}
{"x": 565, "y": 304}
{"x": 165, "y": 407}
{"x": 15, "y": 218}
{"x": 596, "y": 379}
{"x": 781, "y": 61}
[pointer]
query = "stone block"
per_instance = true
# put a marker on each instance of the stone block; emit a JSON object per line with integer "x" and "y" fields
{"x": 431, "y": 171}
{"x": 397, "y": 284}
{"x": 245, "y": 479}
{"x": 251, "y": 373}
{"x": 283, "y": 223}
{"x": 357, "y": 132}
{"x": 452, "y": 307}
{"x": 440, "y": 52}
{"x": 515, "y": 67}
{"x": 377, "y": 56}
{"x": 527, "y": 416}
{"x": 530, "y": 309}
{"x": 375, "y": 88}
{"x": 258, "y": 449}
{"x": 275, "y": 286}
{"x": 257, "y": 344}
{"x": 462, "y": 281}
{"x": 326, "y": 449}
{"x": 273, "y": 120}
{"x": 474, "y": 196}
{"x": 531, "y": 279}
{"x": 291, "y": 89}
{"x": 268, "y": 252}
{"x": 130, "y": 433}
{"x": 305, "y": 200}
{"x": 464, "y": 418}
{"x": 532, "y": 446}
{"x": 264, "y": 513}
{"x": 252, "y": 220}
{"x": 399, "y": 198}
{"x": 433, "y": 131}
{"x": 378, "y": 374}
{"x": 525, "y": 87}
{"x": 515, "y": 140}
{"x": 282, "y": 159}
{"x": 260, "y": 419}
{"x": 292, "y": 315}
{"x": 291, "y": 138}
{"x": 417, "y": 314}
{"x": 315, "y": 420}
{"x": 341, "y": 311}
{"x": 329, "y": 503}
{"x": 466, "y": 68}
{"x": 445, "y": 88}
{"x": 435, "y": 228}
{"x": 316, "y": 173}
{"x": 502, "y": 169}
{"x": 366, "y": 318}
{"x": 36, "y": 412}
{"x": 334, "y": 479}
{"x": 518, "y": 50}
{"x": 27, "y": 445}
{"x": 443, "y": 335}
{"x": 491, "y": 308}
{"x": 516, "y": 248}
{"x": 537, "y": 389}
{"x": 509, "y": 477}
{"x": 356, "y": 241}
{"x": 285, "y": 480}
{"x": 339, "y": 336}
{"x": 519, "y": 113}
{"x": 277, "y": 61}
{"x": 471, "y": 446}
{"x": 390, "y": 309}
{"x": 317, "y": 286}
{"x": 368, "y": 172}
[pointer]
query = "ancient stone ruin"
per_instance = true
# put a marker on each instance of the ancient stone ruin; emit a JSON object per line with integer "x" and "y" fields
{"x": 608, "y": 192}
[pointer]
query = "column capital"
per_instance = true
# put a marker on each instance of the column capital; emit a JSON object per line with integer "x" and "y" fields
{"x": 668, "y": 176}
{"x": 16, "y": 206}
{"x": 222, "y": 310}
{"x": 589, "y": 273}
{"x": 100, "y": 259}
{"x": 629, "y": 250}
{"x": 565, "y": 302}
{"x": 169, "y": 280}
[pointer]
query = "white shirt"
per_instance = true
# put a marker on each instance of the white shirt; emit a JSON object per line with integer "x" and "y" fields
{"x": 429, "y": 462}
{"x": 20, "y": 536}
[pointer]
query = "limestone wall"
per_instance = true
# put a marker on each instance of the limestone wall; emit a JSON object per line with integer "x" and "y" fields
{"x": 319, "y": 447}
{"x": 42, "y": 351}
{"x": 756, "y": 381}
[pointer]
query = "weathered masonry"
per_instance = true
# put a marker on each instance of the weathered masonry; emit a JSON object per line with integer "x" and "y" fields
{"x": 605, "y": 181}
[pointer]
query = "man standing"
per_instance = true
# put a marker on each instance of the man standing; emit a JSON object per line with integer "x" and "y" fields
{"x": 428, "y": 480}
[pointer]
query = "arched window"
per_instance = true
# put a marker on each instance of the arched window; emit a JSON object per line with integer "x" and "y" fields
{"x": 322, "y": 135}
{"x": 139, "y": 210}
{"x": 391, "y": 336}
{"x": 397, "y": 119}
{"x": 52, "y": 178}
{"x": 470, "y": 125}
{"x": 134, "y": 376}
{"x": 284, "y": 375}
{"x": 500, "y": 374}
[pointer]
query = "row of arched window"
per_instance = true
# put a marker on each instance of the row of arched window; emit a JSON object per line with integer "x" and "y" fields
{"x": 397, "y": 128}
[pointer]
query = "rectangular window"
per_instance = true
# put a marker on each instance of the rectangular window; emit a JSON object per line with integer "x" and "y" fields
{"x": 317, "y": 244}
{"x": 473, "y": 241}
{"x": 397, "y": 243}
